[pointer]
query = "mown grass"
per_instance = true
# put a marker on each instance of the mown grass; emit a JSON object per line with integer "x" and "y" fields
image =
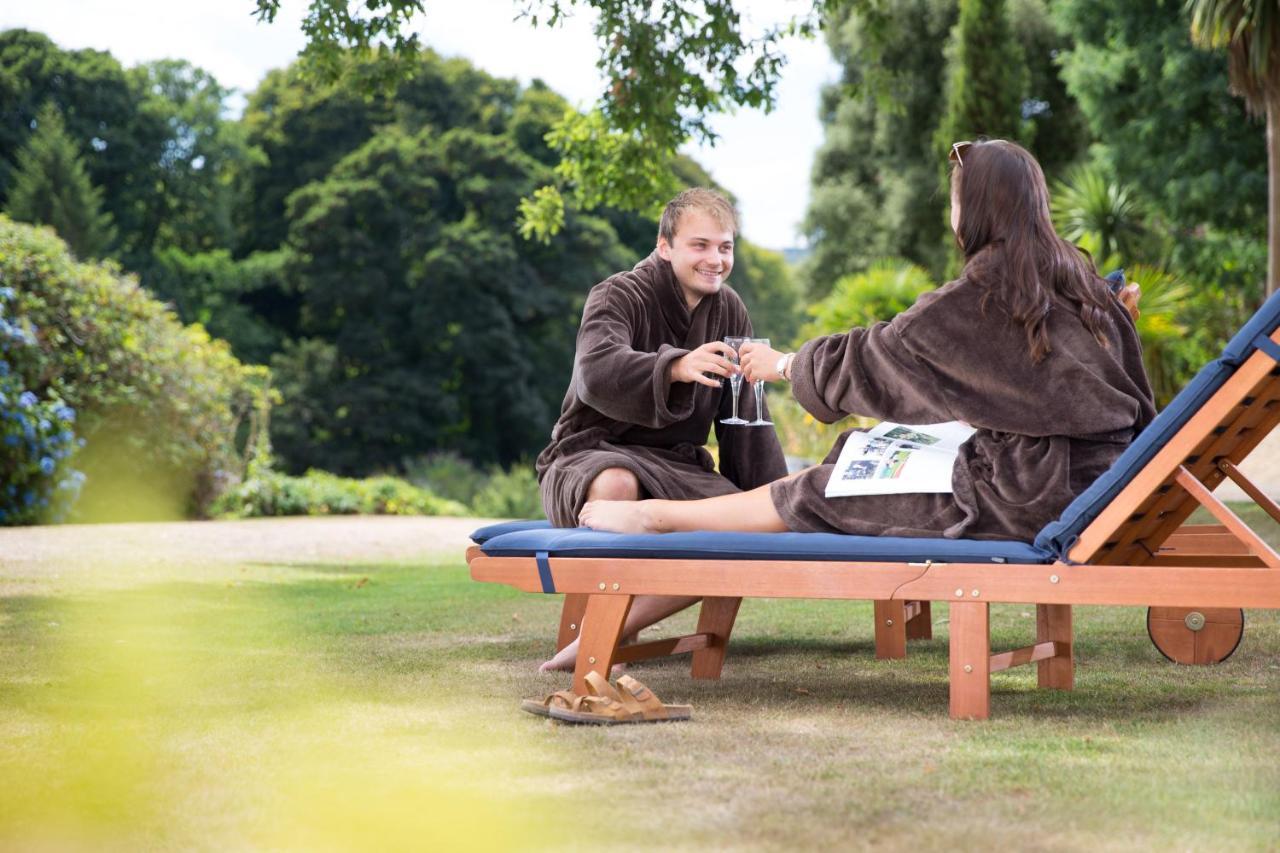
{"x": 374, "y": 707}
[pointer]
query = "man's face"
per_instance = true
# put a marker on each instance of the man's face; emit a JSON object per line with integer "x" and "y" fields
{"x": 701, "y": 255}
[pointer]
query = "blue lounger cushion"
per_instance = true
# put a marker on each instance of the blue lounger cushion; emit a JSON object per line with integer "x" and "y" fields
{"x": 484, "y": 534}
{"x": 718, "y": 545}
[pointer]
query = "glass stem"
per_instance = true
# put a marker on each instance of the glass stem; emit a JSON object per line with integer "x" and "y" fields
{"x": 735, "y": 389}
{"x": 759, "y": 400}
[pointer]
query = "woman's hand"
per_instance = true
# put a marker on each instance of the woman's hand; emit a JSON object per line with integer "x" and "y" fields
{"x": 759, "y": 362}
{"x": 1129, "y": 297}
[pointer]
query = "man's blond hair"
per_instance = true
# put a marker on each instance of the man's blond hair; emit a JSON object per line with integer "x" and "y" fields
{"x": 706, "y": 200}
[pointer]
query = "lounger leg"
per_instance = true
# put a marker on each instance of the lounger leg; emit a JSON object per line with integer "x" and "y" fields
{"x": 575, "y": 604}
{"x": 921, "y": 627}
{"x": 970, "y": 660}
{"x": 715, "y": 618}
{"x": 1053, "y": 624}
{"x": 601, "y": 629}
{"x": 891, "y": 629}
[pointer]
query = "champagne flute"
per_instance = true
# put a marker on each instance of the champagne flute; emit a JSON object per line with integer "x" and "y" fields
{"x": 735, "y": 380}
{"x": 759, "y": 389}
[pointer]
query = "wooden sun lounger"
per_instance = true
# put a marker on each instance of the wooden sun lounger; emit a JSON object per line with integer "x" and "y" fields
{"x": 1124, "y": 542}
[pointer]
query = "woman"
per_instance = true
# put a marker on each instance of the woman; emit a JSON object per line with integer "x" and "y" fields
{"x": 1028, "y": 346}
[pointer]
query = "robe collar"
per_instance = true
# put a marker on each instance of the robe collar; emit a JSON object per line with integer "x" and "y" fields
{"x": 675, "y": 310}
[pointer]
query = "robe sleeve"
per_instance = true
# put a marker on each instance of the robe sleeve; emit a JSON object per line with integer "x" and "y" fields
{"x": 614, "y": 378}
{"x": 870, "y": 372}
{"x": 749, "y": 456}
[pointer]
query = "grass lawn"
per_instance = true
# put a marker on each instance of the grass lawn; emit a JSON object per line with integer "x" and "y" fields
{"x": 372, "y": 704}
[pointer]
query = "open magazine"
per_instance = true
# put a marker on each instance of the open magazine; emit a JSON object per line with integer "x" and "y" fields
{"x": 893, "y": 459}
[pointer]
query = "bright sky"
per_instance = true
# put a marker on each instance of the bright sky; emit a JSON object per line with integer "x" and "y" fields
{"x": 763, "y": 160}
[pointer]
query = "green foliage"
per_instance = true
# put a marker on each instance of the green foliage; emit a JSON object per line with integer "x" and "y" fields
{"x": 1162, "y": 115}
{"x": 986, "y": 80}
{"x": 1171, "y": 354}
{"x": 1090, "y": 207}
{"x": 510, "y": 494}
{"x": 1250, "y": 31}
{"x": 889, "y": 287}
{"x": 446, "y": 474}
{"x": 51, "y": 187}
{"x": 269, "y": 493}
{"x": 158, "y": 403}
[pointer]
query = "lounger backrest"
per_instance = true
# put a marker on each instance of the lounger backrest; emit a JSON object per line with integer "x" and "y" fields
{"x": 1060, "y": 535}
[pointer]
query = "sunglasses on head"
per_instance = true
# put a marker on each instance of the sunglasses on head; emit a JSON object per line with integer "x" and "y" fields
{"x": 957, "y": 152}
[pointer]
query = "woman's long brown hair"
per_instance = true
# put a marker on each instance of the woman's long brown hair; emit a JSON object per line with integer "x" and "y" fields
{"x": 1011, "y": 249}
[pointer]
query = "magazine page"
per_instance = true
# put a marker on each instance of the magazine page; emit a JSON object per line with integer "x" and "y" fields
{"x": 898, "y": 459}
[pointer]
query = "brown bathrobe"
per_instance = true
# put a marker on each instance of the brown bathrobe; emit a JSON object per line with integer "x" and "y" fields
{"x": 623, "y": 411}
{"x": 1044, "y": 431}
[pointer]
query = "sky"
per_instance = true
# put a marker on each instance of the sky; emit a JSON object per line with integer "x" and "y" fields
{"x": 763, "y": 159}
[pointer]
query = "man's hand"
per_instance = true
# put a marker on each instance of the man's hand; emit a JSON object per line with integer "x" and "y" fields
{"x": 1129, "y": 297}
{"x": 708, "y": 358}
{"x": 759, "y": 362}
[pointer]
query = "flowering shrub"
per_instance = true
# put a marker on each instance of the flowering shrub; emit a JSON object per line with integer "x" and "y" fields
{"x": 155, "y": 400}
{"x": 37, "y": 438}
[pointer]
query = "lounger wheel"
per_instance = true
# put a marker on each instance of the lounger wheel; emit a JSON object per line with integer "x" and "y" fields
{"x": 1199, "y": 635}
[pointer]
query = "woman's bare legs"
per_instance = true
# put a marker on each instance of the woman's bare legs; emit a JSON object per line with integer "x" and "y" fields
{"x": 751, "y": 511}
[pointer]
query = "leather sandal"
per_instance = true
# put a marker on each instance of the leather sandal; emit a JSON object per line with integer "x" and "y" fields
{"x": 596, "y": 686}
{"x": 635, "y": 703}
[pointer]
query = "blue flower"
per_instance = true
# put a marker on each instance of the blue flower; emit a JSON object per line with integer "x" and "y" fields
{"x": 7, "y": 293}
{"x": 11, "y": 440}
{"x": 27, "y": 400}
{"x": 65, "y": 413}
{"x": 44, "y": 425}
{"x": 47, "y": 465}
{"x": 4, "y": 368}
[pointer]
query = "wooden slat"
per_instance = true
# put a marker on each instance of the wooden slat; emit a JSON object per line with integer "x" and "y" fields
{"x": 1223, "y": 513}
{"x": 970, "y": 660}
{"x": 1024, "y": 655}
{"x": 1054, "y": 625}
{"x": 716, "y": 621}
{"x": 1173, "y": 586}
{"x": 601, "y": 629}
{"x": 1255, "y": 370}
{"x": 890, "y": 630}
{"x": 473, "y": 551}
{"x": 661, "y": 648}
{"x": 920, "y": 626}
{"x": 1246, "y": 485}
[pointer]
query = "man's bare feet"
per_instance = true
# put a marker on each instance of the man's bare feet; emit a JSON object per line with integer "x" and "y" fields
{"x": 567, "y": 658}
{"x": 617, "y": 516}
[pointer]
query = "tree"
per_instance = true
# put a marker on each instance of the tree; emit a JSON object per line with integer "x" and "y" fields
{"x": 986, "y": 79}
{"x": 51, "y": 187}
{"x": 1250, "y": 31}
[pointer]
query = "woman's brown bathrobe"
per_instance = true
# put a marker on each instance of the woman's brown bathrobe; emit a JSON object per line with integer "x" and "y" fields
{"x": 1044, "y": 431}
{"x": 623, "y": 411}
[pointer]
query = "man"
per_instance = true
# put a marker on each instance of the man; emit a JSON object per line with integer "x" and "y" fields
{"x": 647, "y": 387}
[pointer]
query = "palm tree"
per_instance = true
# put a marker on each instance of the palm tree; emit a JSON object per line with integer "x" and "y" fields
{"x": 1250, "y": 31}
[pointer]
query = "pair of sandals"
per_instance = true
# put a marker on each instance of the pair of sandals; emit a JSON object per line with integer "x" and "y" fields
{"x": 604, "y": 704}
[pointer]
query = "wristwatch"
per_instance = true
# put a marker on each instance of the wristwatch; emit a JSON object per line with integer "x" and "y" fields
{"x": 784, "y": 364}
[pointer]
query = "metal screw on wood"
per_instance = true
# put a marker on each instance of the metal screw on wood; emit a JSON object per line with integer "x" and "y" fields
{"x": 974, "y": 593}
{"x": 968, "y": 667}
{"x": 1053, "y": 578}
{"x": 615, "y": 587}
{"x": 602, "y": 584}
{"x": 591, "y": 660}
{"x": 889, "y": 622}
{"x": 573, "y": 627}
{"x": 959, "y": 593}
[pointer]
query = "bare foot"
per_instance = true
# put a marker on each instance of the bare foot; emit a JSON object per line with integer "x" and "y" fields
{"x": 617, "y": 516}
{"x": 566, "y": 658}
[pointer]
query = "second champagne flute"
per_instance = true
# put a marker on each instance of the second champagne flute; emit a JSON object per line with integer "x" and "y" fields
{"x": 735, "y": 380}
{"x": 759, "y": 389}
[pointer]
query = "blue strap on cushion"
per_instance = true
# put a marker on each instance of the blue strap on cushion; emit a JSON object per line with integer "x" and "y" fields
{"x": 544, "y": 572}
{"x": 1268, "y": 346}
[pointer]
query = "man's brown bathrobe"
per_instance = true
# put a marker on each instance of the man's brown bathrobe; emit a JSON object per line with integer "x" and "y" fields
{"x": 1045, "y": 431}
{"x": 623, "y": 411}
